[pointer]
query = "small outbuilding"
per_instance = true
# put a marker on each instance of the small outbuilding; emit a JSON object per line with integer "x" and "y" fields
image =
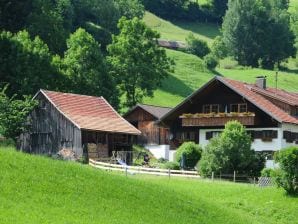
{"x": 82, "y": 124}
{"x": 145, "y": 117}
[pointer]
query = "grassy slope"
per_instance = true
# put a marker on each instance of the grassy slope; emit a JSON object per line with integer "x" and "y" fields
{"x": 40, "y": 190}
{"x": 190, "y": 73}
{"x": 180, "y": 30}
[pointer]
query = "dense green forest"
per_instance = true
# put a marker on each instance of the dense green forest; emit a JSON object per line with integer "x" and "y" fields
{"x": 109, "y": 47}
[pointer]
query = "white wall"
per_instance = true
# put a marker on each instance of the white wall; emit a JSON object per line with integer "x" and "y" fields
{"x": 288, "y": 127}
{"x": 159, "y": 151}
{"x": 257, "y": 144}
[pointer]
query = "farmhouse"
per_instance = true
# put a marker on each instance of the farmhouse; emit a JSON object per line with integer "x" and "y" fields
{"x": 145, "y": 117}
{"x": 270, "y": 115}
{"x": 82, "y": 124}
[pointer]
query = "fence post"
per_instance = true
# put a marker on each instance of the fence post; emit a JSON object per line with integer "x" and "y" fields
{"x": 220, "y": 175}
{"x": 169, "y": 173}
{"x": 234, "y": 176}
{"x": 212, "y": 176}
{"x": 125, "y": 170}
{"x": 254, "y": 181}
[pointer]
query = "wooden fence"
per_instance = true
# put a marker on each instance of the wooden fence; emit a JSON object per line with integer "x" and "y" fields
{"x": 143, "y": 170}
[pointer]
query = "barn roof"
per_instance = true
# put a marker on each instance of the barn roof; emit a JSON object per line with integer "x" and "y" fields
{"x": 89, "y": 112}
{"x": 155, "y": 111}
{"x": 253, "y": 94}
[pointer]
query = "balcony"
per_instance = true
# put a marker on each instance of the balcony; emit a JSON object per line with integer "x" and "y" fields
{"x": 216, "y": 119}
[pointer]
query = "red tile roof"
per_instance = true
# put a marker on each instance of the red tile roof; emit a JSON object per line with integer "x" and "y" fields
{"x": 249, "y": 92}
{"x": 89, "y": 112}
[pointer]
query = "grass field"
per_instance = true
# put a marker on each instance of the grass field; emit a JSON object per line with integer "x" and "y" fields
{"x": 34, "y": 189}
{"x": 190, "y": 72}
{"x": 180, "y": 30}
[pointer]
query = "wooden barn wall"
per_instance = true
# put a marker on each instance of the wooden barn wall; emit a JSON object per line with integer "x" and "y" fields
{"x": 145, "y": 122}
{"x": 50, "y": 131}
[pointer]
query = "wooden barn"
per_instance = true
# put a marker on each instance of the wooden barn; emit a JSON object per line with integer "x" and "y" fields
{"x": 82, "y": 124}
{"x": 144, "y": 117}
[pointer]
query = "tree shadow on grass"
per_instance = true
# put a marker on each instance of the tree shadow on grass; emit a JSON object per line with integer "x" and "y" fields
{"x": 292, "y": 71}
{"x": 208, "y": 30}
{"x": 175, "y": 86}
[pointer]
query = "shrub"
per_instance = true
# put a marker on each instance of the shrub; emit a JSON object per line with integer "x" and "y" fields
{"x": 210, "y": 61}
{"x": 171, "y": 166}
{"x": 191, "y": 152}
{"x": 231, "y": 151}
{"x": 267, "y": 172}
{"x": 196, "y": 46}
{"x": 287, "y": 177}
{"x": 218, "y": 48}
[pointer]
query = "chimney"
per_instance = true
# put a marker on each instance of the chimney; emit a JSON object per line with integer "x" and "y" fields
{"x": 261, "y": 82}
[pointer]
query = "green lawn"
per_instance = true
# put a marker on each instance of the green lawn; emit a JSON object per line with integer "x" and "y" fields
{"x": 34, "y": 189}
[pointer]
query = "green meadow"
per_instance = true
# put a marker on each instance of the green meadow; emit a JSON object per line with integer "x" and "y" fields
{"x": 191, "y": 73}
{"x": 35, "y": 189}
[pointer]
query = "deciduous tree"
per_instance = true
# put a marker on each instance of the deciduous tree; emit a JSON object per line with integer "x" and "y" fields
{"x": 258, "y": 32}
{"x": 136, "y": 60}
{"x": 86, "y": 68}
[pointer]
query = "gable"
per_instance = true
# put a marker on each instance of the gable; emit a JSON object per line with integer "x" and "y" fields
{"x": 89, "y": 113}
{"x": 233, "y": 90}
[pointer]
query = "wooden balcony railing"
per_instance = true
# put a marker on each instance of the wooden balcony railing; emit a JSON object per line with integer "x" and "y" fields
{"x": 220, "y": 119}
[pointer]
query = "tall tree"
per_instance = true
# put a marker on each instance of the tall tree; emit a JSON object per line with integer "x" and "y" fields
{"x": 52, "y": 22}
{"x": 250, "y": 29}
{"x": 86, "y": 68}
{"x": 26, "y": 64}
{"x": 131, "y": 8}
{"x": 137, "y": 62}
{"x": 14, "y": 13}
{"x": 219, "y": 8}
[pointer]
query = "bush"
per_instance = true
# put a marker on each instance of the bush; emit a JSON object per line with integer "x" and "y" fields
{"x": 171, "y": 166}
{"x": 231, "y": 151}
{"x": 287, "y": 177}
{"x": 196, "y": 46}
{"x": 218, "y": 48}
{"x": 210, "y": 61}
{"x": 267, "y": 172}
{"x": 191, "y": 152}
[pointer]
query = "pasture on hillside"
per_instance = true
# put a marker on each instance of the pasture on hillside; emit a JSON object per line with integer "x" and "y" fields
{"x": 35, "y": 189}
{"x": 191, "y": 72}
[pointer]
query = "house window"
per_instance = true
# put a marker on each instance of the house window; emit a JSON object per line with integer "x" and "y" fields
{"x": 243, "y": 108}
{"x": 238, "y": 108}
{"x": 211, "y": 108}
{"x": 234, "y": 108}
{"x": 266, "y": 135}
{"x": 291, "y": 137}
{"x": 212, "y": 134}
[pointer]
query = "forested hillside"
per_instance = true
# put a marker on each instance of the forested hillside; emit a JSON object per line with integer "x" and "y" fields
{"x": 109, "y": 48}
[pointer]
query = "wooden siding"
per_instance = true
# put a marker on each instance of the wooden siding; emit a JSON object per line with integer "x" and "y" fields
{"x": 50, "y": 131}
{"x": 216, "y": 121}
{"x": 151, "y": 132}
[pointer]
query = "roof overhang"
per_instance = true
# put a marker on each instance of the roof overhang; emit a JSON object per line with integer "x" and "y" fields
{"x": 216, "y": 78}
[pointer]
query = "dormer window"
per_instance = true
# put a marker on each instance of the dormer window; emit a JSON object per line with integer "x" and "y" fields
{"x": 238, "y": 108}
{"x": 211, "y": 108}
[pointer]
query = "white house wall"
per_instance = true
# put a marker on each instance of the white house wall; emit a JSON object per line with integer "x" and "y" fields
{"x": 257, "y": 144}
{"x": 291, "y": 128}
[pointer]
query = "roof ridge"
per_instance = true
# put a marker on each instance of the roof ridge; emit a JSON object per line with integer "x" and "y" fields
{"x": 144, "y": 104}
{"x": 76, "y": 94}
